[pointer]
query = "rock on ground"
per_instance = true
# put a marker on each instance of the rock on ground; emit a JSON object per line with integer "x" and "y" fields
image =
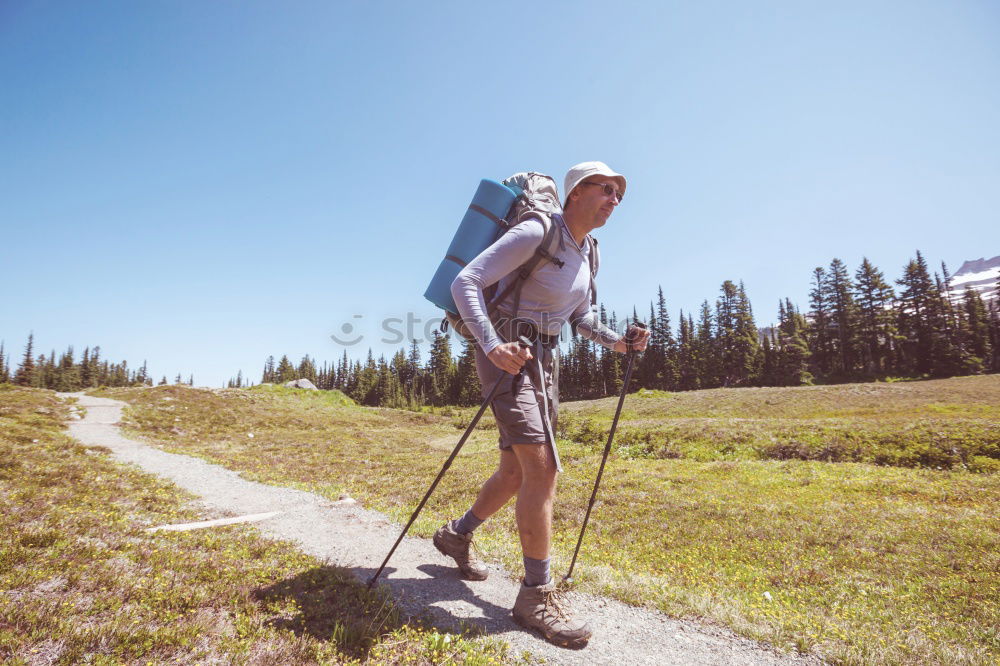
{"x": 301, "y": 384}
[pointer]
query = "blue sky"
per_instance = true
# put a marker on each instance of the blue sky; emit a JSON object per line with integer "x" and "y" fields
{"x": 203, "y": 184}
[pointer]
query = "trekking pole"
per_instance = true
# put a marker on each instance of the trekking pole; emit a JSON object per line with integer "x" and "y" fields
{"x": 524, "y": 343}
{"x": 630, "y": 337}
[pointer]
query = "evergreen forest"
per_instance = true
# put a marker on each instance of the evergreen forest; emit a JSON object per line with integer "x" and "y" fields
{"x": 857, "y": 327}
{"x": 65, "y": 373}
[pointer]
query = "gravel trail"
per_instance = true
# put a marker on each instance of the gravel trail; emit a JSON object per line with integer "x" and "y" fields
{"x": 420, "y": 578}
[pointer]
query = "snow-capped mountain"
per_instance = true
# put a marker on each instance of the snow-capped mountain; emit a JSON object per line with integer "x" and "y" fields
{"x": 980, "y": 274}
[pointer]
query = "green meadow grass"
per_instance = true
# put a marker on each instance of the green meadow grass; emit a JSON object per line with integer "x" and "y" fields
{"x": 861, "y": 563}
{"x": 941, "y": 424}
{"x": 81, "y": 581}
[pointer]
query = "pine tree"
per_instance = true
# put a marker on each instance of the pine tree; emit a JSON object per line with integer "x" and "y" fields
{"x": 409, "y": 369}
{"x": 269, "y": 376}
{"x": 384, "y": 393}
{"x": 978, "y": 327}
{"x": 95, "y": 367}
{"x": 842, "y": 321}
{"x": 708, "y": 361}
{"x": 819, "y": 335}
{"x": 4, "y": 368}
{"x": 343, "y": 372}
{"x": 928, "y": 345}
{"x": 307, "y": 370}
{"x": 324, "y": 377}
{"x": 610, "y": 382}
{"x": 352, "y": 380}
{"x": 467, "y": 391}
{"x": 915, "y": 344}
{"x": 569, "y": 381}
{"x": 792, "y": 354}
{"x": 85, "y": 377}
{"x": 951, "y": 333}
{"x": 587, "y": 379}
{"x": 876, "y": 320}
{"x": 25, "y": 375}
{"x": 46, "y": 371}
{"x": 399, "y": 390}
{"x": 687, "y": 359}
{"x": 659, "y": 362}
{"x": 736, "y": 336}
{"x": 769, "y": 352}
{"x": 994, "y": 316}
{"x": 749, "y": 357}
{"x": 142, "y": 377}
{"x": 68, "y": 376}
{"x": 285, "y": 371}
{"x": 669, "y": 345}
{"x": 440, "y": 368}
{"x": 650, "y": 366}
{"x": 367, "y": 381}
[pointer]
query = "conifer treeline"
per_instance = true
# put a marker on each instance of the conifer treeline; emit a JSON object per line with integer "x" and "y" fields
{"x": 66, "y": 374}
{"x": 402, "y": 382}
{"x": 856, "y": 329}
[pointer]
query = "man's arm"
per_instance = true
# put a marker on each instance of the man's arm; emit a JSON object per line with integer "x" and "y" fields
{"x": 589, "y": 325}
{"x": 586, "y": 322}
{"x": 503, "y": 257}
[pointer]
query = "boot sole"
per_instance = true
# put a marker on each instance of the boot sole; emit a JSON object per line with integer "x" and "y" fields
{"x": 571, "y": 643}
{"x": 465, "y": 575}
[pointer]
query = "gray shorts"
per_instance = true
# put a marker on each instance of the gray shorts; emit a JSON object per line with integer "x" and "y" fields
{"x": 518, "y": 403}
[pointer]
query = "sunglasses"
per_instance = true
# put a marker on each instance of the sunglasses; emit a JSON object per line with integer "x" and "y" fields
{"x": 608, "y": 191}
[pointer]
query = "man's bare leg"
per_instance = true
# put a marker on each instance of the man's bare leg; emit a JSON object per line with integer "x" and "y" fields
{"x": 455, "y": 537}
{"x": 534, "y": 498}
{"x": 500, "y": 487}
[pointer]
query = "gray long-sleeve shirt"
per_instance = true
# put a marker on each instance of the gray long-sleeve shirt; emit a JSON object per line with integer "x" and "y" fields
{"x": 552, "y": 297}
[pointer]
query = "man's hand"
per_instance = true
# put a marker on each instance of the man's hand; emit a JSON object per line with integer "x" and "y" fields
{"x": 639, "y": 338}
{"x": 510, "y": 357}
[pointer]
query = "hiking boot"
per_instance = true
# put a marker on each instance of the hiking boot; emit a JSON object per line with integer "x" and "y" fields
{"x": 456, "y": 546}
{"x": 544, "y": 609}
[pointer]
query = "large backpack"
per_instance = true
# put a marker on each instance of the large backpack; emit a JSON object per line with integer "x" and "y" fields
{"x": 534, "y": 195}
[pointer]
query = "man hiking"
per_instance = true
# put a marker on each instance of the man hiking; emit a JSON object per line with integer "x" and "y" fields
{"x": 525, "y": 407}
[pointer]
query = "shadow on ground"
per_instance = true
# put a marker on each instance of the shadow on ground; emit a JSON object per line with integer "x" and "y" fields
{"x": 331, "y": 603}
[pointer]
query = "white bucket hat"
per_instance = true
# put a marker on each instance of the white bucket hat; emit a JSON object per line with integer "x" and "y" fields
{"x": 578, "y": 173}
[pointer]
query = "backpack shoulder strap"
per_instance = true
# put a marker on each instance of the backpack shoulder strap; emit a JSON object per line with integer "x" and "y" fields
{"x": 544, "y": 251}
{"x": 595, "y": 262}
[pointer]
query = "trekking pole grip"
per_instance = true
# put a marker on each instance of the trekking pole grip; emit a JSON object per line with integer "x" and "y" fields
{"x": 632, "y": 334}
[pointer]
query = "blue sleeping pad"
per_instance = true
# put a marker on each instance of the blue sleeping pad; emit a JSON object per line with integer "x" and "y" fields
{"x": 479, "y": 229}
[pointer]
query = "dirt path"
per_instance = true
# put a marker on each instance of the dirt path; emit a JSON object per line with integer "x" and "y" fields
{"x": 419, "y": 577}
